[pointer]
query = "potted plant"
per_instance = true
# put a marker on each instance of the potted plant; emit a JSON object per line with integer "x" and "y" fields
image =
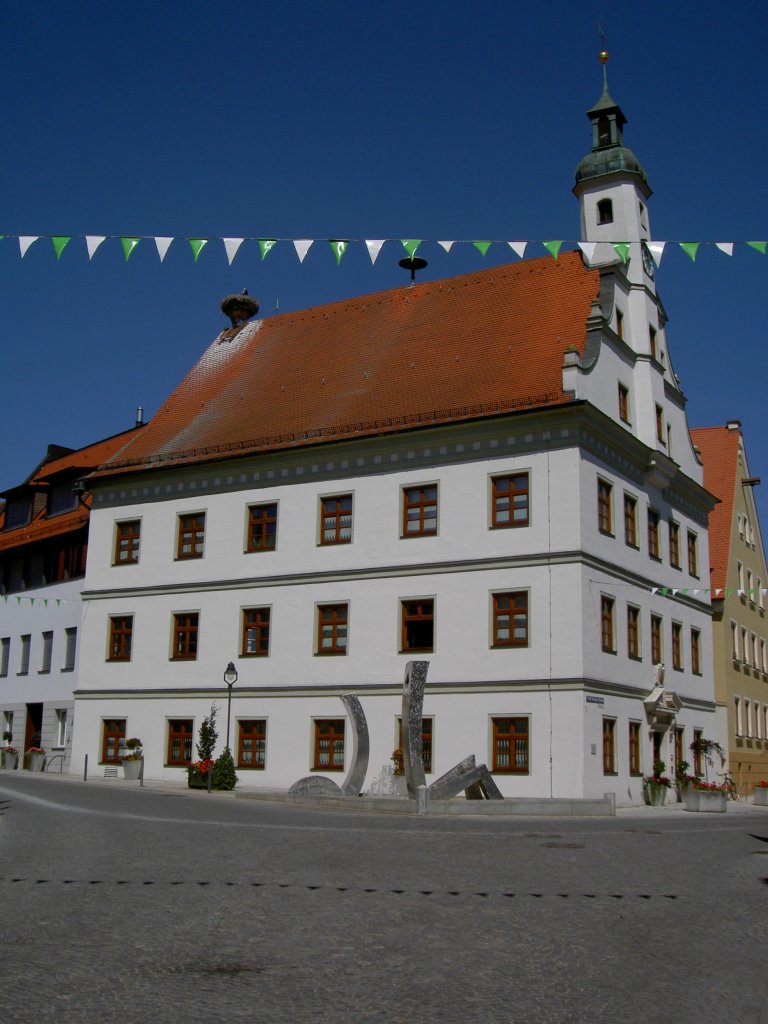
{"x": 10, "y": 755}
{"x": 761, "y": 793}
{"x": 132, "y": 761}
{"x": 682, "y": 779}
{"x": 197, "y": 772}
{"x": 707, "y": 796}
{"x": 35, "y": 754}
{"x": 655, "y": 786}
{"x": 224, "y": 776}
{"x": 702, "y": 747}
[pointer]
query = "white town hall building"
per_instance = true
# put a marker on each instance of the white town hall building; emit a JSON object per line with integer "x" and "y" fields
{"x": 492, "y": 473}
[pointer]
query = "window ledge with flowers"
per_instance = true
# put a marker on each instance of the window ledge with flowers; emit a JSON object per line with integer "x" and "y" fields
{"x": 711, "y": 797}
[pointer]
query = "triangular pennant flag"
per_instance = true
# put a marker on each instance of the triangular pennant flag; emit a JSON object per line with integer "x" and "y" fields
{"x": 446, "y": 245}
{"x": 25, "y": 241}
{"x": 718, "y": 591}
{"x": 129, "y": 244}
{"x": 58, "y": 602}
{"x": 45, "y": 601}
{"x": 656, "y": 250}
{"x": 654, "y": 590}
{"x": 728, "y": 591}
{"x": 696, "y": 590}
{"x": 31, "y": 602}
{"x": 373, "y": 245}
{"x": 518, "y": 248}
{"x": 339, "y": 247}
{"x": 740, "y": 593}
{"x": 621, "y": 249}
{"x": 163, "y": 244}
{"x": 92, "y": 243}
{"x": 675, "y": 591}
{"x": 411, "y": 245}
{"x": 690, "y": 249}
{"x": 482, "y": 247}
{"x": 18, "y": 600}
{"x": 302, "y": 246}
{"x": 266, "y": 245}
{"x": 760, "y": 246}
{"x": 588, "y": 248}
{"x": 60, "y": 244}
{"x": 553, "y": 248}
{"x": 726, "y": 247}
{"x": 231, "y": 245}
{"x": 197, "y": 245}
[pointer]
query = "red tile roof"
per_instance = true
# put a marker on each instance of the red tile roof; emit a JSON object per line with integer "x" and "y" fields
{"x": 719, "y": 449}
{"x": 82, "y": 460}
{"x": 442, "y": 351}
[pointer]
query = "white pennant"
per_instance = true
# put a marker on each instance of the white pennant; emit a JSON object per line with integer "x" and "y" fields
{"x": 446, "y": 245}
{"x": 231, "y": 246}
{"x": 93, "y": 242}
{"x": 657, "y": 251}
{"x": 373, "y": 245}
{"x": 654, "y": 590}
{"x": 518, "y": 247}
{"x": 163, "y": 245}
{"x": 588, "y": 248}
{"x": 25, "y": 241}
{"x": 718, "y": 591}
{"x": 675, "y": 591}
{"x": 302, "y": 246}
{"x": 726, "y": 247}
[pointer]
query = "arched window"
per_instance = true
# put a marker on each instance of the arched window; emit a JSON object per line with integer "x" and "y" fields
{"x": 605, "y": 211}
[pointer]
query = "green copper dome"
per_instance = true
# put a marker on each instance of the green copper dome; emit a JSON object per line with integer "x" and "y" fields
{"x": 609, "y": 155}
{"x": 608, "y": 161}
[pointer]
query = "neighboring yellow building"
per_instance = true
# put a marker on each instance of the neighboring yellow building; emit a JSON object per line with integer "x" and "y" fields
{"x": 739, "y": 581}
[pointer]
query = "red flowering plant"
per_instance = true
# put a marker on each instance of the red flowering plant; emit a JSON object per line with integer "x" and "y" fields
{"x": 201, "y": 767}
{"x": 658, "y": 779}
{"x": 761, "y": 785}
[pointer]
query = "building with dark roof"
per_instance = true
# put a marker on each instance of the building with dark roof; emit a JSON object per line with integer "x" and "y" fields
{"x": 487, "y": 472}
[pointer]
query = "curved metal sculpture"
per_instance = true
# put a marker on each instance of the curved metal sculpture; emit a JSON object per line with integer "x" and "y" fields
{"x": 321, "y": 785}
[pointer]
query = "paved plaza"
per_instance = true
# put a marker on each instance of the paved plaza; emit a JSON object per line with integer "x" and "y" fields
{"x": 153, "y": 905}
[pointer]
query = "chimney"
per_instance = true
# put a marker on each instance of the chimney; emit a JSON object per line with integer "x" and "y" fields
{"x": 140, "y": 416}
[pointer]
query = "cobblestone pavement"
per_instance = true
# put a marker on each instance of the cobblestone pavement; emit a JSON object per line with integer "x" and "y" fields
{"x": 147, "y": 905}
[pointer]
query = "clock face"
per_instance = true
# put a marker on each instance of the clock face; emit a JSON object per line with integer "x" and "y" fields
{"x": 647, "y": 261}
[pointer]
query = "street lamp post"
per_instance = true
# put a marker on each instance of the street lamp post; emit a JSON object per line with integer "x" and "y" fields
{"x": 230, "y": 678}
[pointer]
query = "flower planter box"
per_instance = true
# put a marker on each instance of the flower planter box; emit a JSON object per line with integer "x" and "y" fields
{"x": 35, "y": 762}
{"x": 711, "y": 801}
{"x": 11, "y": 760}
{"x": 132, "y": 768}
{"x": 197, "y": 781}
{"x": 761, "y": 796}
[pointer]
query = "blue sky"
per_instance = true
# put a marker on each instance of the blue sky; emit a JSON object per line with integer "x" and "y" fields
{"x": 436, "y": 120}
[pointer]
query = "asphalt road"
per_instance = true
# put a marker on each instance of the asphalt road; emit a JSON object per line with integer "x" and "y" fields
{"x": 119, "y": 904}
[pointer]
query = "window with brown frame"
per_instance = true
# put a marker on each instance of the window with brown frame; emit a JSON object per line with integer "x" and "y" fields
{"x": 120, "y": 637}
{"x": 623, "y": 403}
{"x": 679, "y": 745}
{"x": 633, "y": 631}
{"x": 511, "y": 739}
{"x": 510, "y": 501}
{"x": 653, "y": 534}
{"x": 426, "y": 741}
{"x": 510, "y": 619}
{"x": 417, "y": 625}
{"x": 674, "y": 545}
{"x": 630, "y": 521}
{"x": 605, "y": 507}
{"x": 609, "y": 746}
{"x": 191, "y": 536}
{"x": 697, "y": 758}
{"x": 619, "y": 323}
{"x": 179, "y": 742}
{"x": 634, "y": 749}
{"x": 420, "y": 511}
{"x": 332, "y": 624}
{"x": 329, "y": 744}
{"x": 693, "y": 554}
{"x": 660, "y": 435}
{"x": 605, "y": 211}
{"x": 252, "y": 743}
{"x": 607, "y": 606}
{"x": 336, "y": 519}
{"x": 127, "y": 542}
{"x": 656, "y": 644}
{"x": 696, "y": 652}
{"x": 185, "y": 630}
{"x": 677, "y": 646}
{"x": 255, "y": 633}
{"x": 652, "y": 343}
{"x": 262, "y": 527}
{"x": 113, "y": 740}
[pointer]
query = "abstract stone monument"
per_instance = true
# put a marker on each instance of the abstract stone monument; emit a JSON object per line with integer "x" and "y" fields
{"x": 321, "y": 785}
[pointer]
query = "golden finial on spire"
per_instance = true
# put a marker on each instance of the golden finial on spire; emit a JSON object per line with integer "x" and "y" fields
{"x": 603, "y": 55}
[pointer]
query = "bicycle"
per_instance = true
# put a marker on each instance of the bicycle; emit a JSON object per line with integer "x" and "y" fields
{"x": 729, "y": 785}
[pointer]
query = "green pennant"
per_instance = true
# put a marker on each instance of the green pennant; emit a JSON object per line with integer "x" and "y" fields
{"x": 553, "y": 248}
{"x": 60, "y": 244}
{"x": 266, "y": 245}
{"x": 622, "y": 250}
{"x": 339, "y": 247}
{"x": 18, "y": 601}
{"x": 664, "y": 591}
{"x": 411, "y": 245}
{"x": 129, "y": 244}
{"x": 690, "y": 248}
{"x": 197, "y": 245}
{"x": 728, "y": 591}
{"x": 482, "y": 247}
{"x": 760, "y": 246}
